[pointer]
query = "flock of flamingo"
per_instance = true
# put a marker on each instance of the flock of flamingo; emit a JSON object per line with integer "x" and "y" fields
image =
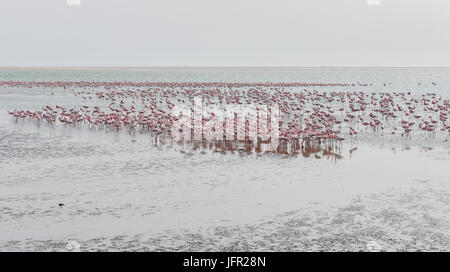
{"x": 308, "y": 118}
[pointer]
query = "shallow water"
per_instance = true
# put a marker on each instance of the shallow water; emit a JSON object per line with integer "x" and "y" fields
{"x": 394, "y": 79}
{"x": 121, "y": 192}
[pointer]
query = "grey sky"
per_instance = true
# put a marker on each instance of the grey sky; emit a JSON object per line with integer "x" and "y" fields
{"x": 225, "y": 33}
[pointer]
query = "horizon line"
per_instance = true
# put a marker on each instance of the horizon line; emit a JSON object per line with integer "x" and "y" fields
{"x": 225, "y": 66}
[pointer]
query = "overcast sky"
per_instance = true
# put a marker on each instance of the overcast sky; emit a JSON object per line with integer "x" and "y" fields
{"x": 225, "y": 33}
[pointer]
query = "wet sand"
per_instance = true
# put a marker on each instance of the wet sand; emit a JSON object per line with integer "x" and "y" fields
{"x": 123, "y": 195}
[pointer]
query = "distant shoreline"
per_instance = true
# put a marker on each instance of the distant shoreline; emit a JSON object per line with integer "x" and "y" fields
{"x": 224, "y": 67}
